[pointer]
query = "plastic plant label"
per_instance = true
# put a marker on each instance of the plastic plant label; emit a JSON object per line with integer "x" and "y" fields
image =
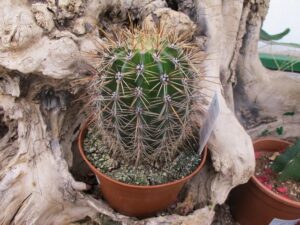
{"x": 284, "y": 222}
{"x": 97, "y": 179}
{"x": 207, "y": 127}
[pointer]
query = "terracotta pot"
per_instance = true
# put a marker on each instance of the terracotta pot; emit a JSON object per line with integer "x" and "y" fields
{"x": 135, "y": 200}
{"x": 253, "y": 204}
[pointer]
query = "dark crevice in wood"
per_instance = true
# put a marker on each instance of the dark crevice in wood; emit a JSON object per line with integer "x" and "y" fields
{"x": 173, "y": 4}
{"x": 18, "y": 209}
{"x": 81, "y": 172}
{"x": 3, "y": 127}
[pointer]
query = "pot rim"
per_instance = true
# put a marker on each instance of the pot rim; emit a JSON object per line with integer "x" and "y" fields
{"x": 95, "y": 170}
{"x": 270, "y": 193}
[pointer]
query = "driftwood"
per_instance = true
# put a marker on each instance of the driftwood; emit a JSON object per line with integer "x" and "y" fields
{"x": 42, "y": 52}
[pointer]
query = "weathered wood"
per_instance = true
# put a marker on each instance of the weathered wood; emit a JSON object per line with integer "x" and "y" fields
{"x": 43, "y": 47}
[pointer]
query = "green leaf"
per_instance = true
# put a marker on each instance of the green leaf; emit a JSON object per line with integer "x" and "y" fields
{"x": 289, "y": 113}
{"x": 284, "y": 158}
{"x": 268, "y": 37}
{"x": 279, "y": 130}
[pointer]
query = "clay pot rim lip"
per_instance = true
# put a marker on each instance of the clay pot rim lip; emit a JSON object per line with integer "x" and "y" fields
{"x": 266, "y": 190}
{"x": 95, "y": 170}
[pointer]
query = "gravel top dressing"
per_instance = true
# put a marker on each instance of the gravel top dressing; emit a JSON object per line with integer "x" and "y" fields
{"x": 183, "y": 165}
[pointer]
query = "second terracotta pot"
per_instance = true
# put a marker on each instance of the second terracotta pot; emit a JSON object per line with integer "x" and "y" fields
{"x": 135, "y": 200}
{"x": 253, "y": 204}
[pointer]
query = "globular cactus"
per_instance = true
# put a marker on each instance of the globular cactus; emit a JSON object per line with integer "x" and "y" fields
{"x": 144, "y": 92}
{"x": 287, "y": 164}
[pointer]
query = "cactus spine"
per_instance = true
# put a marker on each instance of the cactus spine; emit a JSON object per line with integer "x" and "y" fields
{"x": 144, "y": 92}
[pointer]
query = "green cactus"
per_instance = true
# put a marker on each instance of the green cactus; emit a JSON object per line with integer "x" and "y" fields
{"x": 143, "y": 97}
{"x": 287, "y": 164}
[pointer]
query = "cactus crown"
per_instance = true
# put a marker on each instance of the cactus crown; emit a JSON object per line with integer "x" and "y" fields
{"x": 143, "y": 95}
{"x": 287, "y": 164}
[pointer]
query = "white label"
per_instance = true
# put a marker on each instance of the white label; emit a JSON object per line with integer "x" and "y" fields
{"x": 284, "y": 222}
{"x": 207, "y": 127}
{"x": 97, "y": 180}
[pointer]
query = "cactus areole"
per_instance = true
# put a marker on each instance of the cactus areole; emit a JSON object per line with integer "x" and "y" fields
{"x": 143, "y": 94}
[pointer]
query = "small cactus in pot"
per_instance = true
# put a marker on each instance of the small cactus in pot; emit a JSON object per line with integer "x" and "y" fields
{"x": 287, "y": 164}
{"x": 144, "y": 93}
{"x": 144, "y": 98}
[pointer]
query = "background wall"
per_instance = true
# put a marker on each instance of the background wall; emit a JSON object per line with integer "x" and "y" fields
{"x": 284, "y": 14}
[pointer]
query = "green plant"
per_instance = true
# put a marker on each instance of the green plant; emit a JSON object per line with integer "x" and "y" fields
{"x": 275, "y": 37}
{"x": 143, "y": 96}
{"x": 287, "y": 164}
{"x": 279, "y": 130}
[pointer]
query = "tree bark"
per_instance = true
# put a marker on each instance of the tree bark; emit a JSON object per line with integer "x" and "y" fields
{"x": 43, "y": 47}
